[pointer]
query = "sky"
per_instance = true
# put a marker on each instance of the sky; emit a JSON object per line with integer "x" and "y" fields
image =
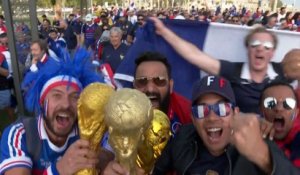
{"x": 291, "y": 2}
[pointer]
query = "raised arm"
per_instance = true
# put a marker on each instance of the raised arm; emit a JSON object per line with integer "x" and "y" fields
{"x": 187, "y": 50}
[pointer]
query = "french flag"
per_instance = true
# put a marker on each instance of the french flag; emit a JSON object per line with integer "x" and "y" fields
{"x": 221, "y": 41}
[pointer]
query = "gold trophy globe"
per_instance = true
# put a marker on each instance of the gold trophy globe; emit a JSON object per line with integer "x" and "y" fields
{"x": 91, "y": 117}
{"x": 156, "y": 138}
{"x": 128, "y": 114}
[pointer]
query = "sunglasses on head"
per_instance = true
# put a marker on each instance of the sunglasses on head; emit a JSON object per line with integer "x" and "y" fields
{"x": 220, "y": 109}
{"x": 271, "y": 103}
{"x": 267, "y": 44}
{"x": 143, "y": 81}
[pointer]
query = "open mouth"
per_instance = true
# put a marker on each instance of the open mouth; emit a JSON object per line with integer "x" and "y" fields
{"x": 214, "y": 134}
{"x": 259, "y": 57}
{"x": 154, "y": 100}
{"x": 279, "y": 123}
{"x": 63, "y": 119}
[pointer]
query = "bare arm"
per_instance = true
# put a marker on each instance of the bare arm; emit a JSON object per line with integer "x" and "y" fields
{"x": 187, "y": 50}
{"x": 4, "y": 72}
{"x": 19, "y": 171}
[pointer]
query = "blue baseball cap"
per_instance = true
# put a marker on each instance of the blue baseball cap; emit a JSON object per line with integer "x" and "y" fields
{"x": 213, "y": 84}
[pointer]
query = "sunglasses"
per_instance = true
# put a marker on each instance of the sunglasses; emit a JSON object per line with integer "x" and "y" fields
{"x": 143, "y": 81}
{"x": 271, "y": 103}
{"x": 267, "y": 44}
{"x": 221, "y": 109}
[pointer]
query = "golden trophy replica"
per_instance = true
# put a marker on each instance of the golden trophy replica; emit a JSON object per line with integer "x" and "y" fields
{"x": 128, "y": 114}
{"x": 91, "y": 117}
{"x": 156, "y": 138}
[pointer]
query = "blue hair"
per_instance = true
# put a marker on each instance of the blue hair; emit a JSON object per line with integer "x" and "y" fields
{"x": 79, "y": 67}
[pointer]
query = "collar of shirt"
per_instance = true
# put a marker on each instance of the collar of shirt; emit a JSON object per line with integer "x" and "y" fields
{"x": 245, "y": 73}
{"x": 43, "y": 135}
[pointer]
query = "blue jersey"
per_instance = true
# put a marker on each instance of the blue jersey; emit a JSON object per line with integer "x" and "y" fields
{"x": 14, "y": 149}
{"x": 89, "y": 35}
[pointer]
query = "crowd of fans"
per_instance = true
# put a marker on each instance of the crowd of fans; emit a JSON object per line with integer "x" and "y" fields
{"x": 209, "y": 130}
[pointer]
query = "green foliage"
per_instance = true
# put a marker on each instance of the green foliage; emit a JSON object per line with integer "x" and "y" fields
{"x": 53, "y": 2}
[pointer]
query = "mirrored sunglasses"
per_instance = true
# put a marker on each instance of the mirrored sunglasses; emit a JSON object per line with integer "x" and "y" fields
{"x": 271, "y": 103}
{"x": 267, "y": 44}
{"x": 220, "y": 109}
{"x": 143, "y": 81}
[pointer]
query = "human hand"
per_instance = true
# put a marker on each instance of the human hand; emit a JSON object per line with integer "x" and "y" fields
{"x": 160, "y": 28}
{"x": 78, "y": 156}
{"x": 267, "y": 129}
{"x": 114, "y": 168}
{"x": 34, "y": 60}
{"x": 246, "y": 137}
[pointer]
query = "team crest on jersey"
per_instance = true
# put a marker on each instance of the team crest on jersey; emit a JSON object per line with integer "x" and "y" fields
{"x": 45, "y": 163}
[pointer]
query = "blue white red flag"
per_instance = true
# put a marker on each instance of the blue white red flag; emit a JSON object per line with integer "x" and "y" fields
{"x": 221, "y": 41}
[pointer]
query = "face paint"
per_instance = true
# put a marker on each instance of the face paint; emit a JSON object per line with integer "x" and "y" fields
{"x": 45, "y": 109}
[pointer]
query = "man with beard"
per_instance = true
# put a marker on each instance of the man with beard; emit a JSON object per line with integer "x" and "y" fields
{"x": 132, "y": 32}
{"x": 279, "y": 107}
{"x": 154, "y": 78}
{"x": 52, "y": 94}
{"x": 247, "y": 78}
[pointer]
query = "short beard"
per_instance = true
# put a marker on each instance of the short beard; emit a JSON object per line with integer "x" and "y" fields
{"x": 165, "y": 103}
{"x": 47, "y": 120}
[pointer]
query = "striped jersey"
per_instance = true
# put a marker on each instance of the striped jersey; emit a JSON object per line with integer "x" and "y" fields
{"x": 14, "y": 151}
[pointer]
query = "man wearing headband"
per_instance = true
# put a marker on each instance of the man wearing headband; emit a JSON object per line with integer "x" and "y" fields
{"x": 52, "y": 94}
{"x": 221, "y": 140}
{"x": 278, "y": 104}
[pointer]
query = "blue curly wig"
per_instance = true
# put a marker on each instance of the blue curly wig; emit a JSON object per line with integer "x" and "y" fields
{"x": 79, "y": 67}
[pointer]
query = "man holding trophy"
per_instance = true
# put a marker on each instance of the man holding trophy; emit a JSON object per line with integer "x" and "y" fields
{"x": 52, "y": 94}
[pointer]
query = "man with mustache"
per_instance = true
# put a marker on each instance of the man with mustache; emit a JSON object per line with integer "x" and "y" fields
{"x": 153, "y": 77}
{"x": 52, "y": 94}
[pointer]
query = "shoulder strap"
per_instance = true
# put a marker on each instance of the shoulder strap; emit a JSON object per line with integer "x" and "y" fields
{"x": 32, "y": 137}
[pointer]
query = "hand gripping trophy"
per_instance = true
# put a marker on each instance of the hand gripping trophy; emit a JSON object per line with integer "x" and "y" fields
{"x": 156, "y": 138}
{"x": 128, "y": 114}
{"x": 91, "y": 116}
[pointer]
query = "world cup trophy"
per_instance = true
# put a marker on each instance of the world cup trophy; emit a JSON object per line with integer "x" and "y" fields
{"x": 128, "y": 114}
{"x": 156, "y": 138}
{"x": 91, "y": 117}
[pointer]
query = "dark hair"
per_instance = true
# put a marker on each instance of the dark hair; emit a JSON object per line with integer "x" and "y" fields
{"x": 278, "y": 82}
{"x": 260, "y": 30}
{"x": 42, "y": 43}
{"x": 153, "y": 56}
{"x": 47, "y": 20}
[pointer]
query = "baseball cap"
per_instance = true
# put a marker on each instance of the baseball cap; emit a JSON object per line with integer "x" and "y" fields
{"x": 213, "y": 84}
{"x": 88, "y": 17}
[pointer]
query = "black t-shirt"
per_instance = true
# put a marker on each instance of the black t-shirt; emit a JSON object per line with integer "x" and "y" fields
{"x": 70, "y": 37}
{"x": 206, "y": 163}
{"x": 247, "y": 92}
